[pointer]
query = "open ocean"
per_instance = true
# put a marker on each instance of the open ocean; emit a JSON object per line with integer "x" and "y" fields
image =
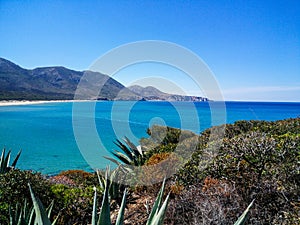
{"x": 45, "y": 134}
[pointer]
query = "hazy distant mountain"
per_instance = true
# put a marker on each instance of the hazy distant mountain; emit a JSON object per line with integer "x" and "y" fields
{"x": 60, "y": 83}
{"x": 152, "y": 93}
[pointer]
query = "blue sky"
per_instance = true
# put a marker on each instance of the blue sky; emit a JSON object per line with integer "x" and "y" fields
{"x": 252, "y": 47}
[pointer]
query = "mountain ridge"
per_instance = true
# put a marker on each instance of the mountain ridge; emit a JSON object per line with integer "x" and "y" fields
{"x": 61, "y": 83}
{"x": 152, "y": 93}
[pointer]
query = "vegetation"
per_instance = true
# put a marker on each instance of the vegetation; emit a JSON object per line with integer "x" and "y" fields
{"x": 112, "y": 179}
{"x": 14, "y": 189}
{"x": 262, "y": 160}
{"x": 129, "y": 154}
{"x": 254, "y": 160}
{"x": 5, "y": 160}
{"x": 41, "y": 214}
{"x": 156, "y": 216}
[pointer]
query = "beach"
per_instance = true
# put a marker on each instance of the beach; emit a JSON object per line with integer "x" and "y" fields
{"x": 27, "y": 102}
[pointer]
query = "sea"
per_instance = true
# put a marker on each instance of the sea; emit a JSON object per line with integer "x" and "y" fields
{"x": 58, "y": 136}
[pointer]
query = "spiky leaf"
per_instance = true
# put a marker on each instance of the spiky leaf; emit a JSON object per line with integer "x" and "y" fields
{"x": 40, "y": 212}
{"x": 104, "y": 217}
{"x": 13, "y": 165}
{"x": 243, "y": 218}
{"x": 159, "y": 217}
{"x": 120, "y": 218}
{"x": 156, "y": 205}
{"x": 94, "y": 214}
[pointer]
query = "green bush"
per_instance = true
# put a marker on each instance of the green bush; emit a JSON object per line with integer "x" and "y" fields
{"x": 73, "y": 194}
{"x": 75, "y": 203}
{"x": 14, "y": 189}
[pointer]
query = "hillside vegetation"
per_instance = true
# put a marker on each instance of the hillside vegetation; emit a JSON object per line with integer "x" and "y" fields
{"x": 254, "y": 160}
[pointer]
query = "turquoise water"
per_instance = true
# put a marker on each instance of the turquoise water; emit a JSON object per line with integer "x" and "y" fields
{"x": 44, "y": 132}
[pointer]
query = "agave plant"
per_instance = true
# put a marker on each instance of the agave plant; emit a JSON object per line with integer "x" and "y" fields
{"x": 129, "y": 155}
{"x": 159, "y": 209}
{"x": 41, "y": 214}
{"x": 26, "y": 215}
{"x": 21, "y": 215}
{"x": 4, "y": 161}
{"x": 115, "y": 186}
{"x": 104, "y": 216}
{"x": 156, "y": 216}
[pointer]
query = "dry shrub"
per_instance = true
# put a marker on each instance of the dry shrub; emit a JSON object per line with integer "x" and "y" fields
{"x": 61, "y": 179}
{"x": 214, "y": 202}
{"x": 80, "y": 177}
{"x": 158, "y": 167}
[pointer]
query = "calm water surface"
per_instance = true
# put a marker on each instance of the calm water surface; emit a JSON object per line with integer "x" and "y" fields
{"x": 44, "y": 132}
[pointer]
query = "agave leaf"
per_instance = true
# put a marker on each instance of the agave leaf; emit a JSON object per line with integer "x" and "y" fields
{"x": 124, "y": 158}
{"x": 2, "y": 161}
{"x": 12, "y": 220}
{"x": 54, "y": 222}
{"x": 126, "y": 168}
{"x": 125, "y": 149}
{"x": 100, "y": 179}
{"x": 20, "y": 220}
{"x": 13, "y": 165}
{"x": 26, "y": 211}
{"x": 112, "y": 160}
{"x": 21, "y": 215}
{"x": 156, "y": 205}
{"x": 31, "y": 216}
{"x": 120, "y": 218}
{"x": 243, "y": 218}
{"x": 104, "y": 217}
{"x": 139, "y": 148}
{"x": 7, "y": 159}
{"x": 136, "y": 152}
{"x": 159, "y": 217}
{"x": 40, "y": 212}
{"x": 133, "y": 148}
{"x": 94, "y": 214}
{"x": 49, "y": 209}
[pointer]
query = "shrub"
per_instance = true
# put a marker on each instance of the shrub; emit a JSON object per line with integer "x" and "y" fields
{"x": 214, "y": 202}
{"x": 75, "y": 203}
{"x": 80, "y": 177}
{"x": 262, "y": 160}
{"x": 14, "y": 188}
{"x": 72, "y": 191}
{"x": 158, "y": 167}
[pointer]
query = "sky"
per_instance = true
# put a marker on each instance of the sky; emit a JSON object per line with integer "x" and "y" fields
{"x": 251, "y": 47}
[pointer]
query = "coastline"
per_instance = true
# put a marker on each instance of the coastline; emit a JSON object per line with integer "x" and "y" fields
{"x": 34, "y": 102}
{"x": 28, "y": 102}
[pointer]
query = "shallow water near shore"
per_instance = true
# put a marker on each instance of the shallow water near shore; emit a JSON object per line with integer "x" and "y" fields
{"x": 44, "y": 132}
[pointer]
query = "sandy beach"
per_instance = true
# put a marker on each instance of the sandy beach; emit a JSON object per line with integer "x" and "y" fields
{"x": 27, "y": 102}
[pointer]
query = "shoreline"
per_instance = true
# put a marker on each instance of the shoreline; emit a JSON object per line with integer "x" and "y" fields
{"x": 34, "y": 102}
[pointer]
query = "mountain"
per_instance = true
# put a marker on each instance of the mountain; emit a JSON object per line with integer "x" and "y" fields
{"x": 60, "y": 83}
{"x": 57, "y": 83}
{"x": 152, "y": 93}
